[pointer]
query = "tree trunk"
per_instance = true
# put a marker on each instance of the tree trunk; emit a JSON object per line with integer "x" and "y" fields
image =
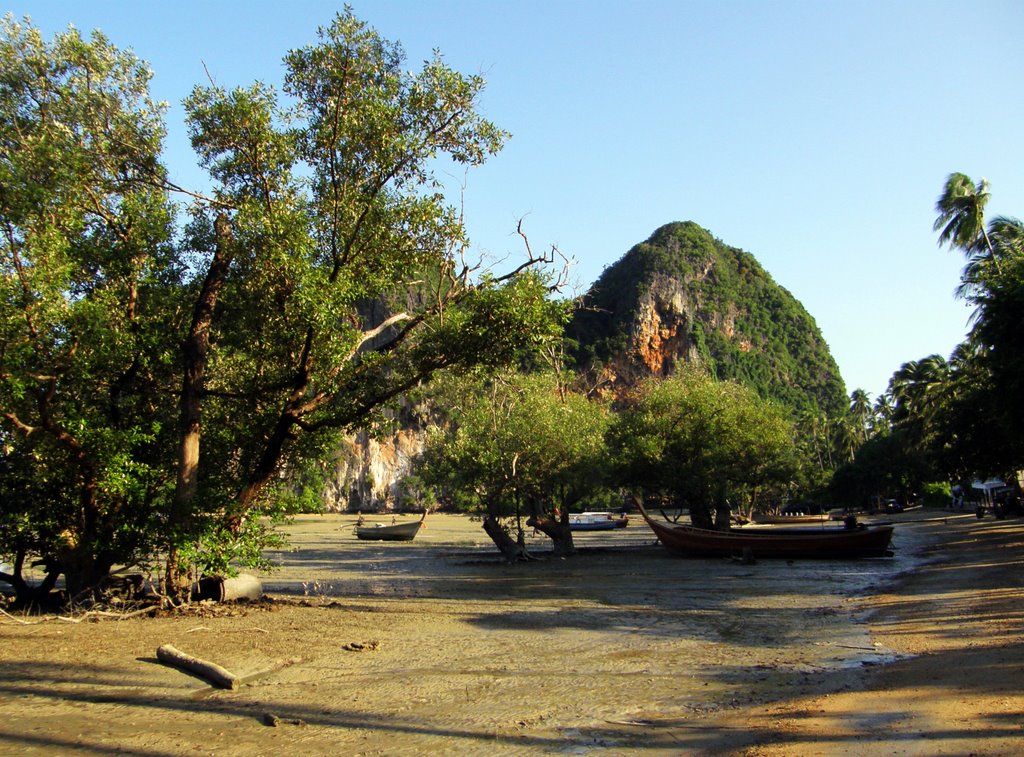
{"x": 26, "y": 594}
{"x": 503, "y": 541}
{"x": 195, "y": 352}
{"x": 208, "y": 671}
{"x": 723, "y": 514}
{"x": 84, "y": 574}
{"x": 701, "y": 516}
{"x": 557, "y": 530}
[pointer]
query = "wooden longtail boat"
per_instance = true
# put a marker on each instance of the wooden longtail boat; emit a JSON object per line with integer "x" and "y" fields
{"x": 394, "y": 532}
{"x": 825, "y": 543}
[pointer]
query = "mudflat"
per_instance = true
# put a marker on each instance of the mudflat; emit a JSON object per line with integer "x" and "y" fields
{"x": 436, "y": 646}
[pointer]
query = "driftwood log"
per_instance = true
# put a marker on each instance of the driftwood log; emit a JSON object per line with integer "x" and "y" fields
{"x": 208, "y": 671}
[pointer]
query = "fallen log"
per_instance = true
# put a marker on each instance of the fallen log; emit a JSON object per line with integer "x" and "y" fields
{"x": 208, "y": 671}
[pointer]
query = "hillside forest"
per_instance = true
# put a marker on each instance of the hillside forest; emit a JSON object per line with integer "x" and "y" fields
{"x": 177, "y": 367}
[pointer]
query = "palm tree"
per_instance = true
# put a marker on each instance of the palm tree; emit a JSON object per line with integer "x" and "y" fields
{"x": 965, "y": 357}
{"x": 846, "y": 437}
{"x": 861, "y": 414}
{"x": 918, "y": 388}
{"x": 1007, "y": 236}
{"x": 961, "y": 209}
{"x": 883, "y": 414}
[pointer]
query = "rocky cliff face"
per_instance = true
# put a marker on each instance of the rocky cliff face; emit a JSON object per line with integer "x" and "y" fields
{"x": 661, "y": 329}
{"x": 662, "y": 333}
{"x": 368, "y": 471}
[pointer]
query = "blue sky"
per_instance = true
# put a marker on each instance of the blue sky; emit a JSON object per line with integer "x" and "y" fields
{"x": 814, "y": 135}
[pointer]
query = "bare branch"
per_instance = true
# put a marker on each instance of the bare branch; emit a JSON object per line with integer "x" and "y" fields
{"x": 213, "y": 82}
{"x": 384, "y": 326}
{"x": 172, "y": 187}
{"x": 532, "y": 259}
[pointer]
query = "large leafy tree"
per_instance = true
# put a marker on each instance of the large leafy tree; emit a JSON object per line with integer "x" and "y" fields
{"x": 331, "y": 204}
{"x": 516, "y": 448}
{"x": 165, "y": 386}
{"x": 887, "y": 465}
{"x": 704, "y": 445}
{"x": 87, "y": 307}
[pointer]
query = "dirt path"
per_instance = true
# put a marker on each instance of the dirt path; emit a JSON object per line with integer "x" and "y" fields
{"x": 436, "y": 647}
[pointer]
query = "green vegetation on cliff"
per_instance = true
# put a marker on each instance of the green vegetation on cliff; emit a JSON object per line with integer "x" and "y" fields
{"x": 729, "y": 315}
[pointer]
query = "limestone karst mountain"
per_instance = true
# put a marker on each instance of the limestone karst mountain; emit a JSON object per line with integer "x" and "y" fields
{"x": 685, "y": 296}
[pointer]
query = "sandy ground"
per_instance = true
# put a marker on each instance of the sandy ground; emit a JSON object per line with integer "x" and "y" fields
{"x": 436, "y": 647}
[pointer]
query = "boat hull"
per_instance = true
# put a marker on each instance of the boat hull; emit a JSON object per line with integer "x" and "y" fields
{"x": 608, "y": 523}
{"x": 840, "y": 542}
{"x": 398, "y": 532}
{"x": 605, "y": 524}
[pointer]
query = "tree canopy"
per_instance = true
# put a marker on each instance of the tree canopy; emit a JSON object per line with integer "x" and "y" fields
{"x": 704, "y": 445}
{"x": 158, "y": 379}
{"x": 519, "y": 447}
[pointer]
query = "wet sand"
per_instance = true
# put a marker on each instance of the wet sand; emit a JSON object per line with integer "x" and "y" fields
{"x": 438, "y": 647}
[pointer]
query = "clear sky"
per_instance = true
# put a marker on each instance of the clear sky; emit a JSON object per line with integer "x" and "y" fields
{"x": 814, "y": 135}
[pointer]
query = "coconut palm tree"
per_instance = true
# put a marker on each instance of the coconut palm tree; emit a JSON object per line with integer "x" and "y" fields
{"x": 918, "y": 388}
{"x": 883, "y": 414}
{"x": 861, "y": 414}
{"x": 961, "y": 209}
{"x": 1007, "y": 236}
{"x": 965, "y": 357}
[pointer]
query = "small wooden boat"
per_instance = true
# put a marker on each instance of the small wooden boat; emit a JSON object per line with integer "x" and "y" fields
{"x": 597, "y": 521}
{"x": 823, "y": 543}
{"x": 394, "y": 532}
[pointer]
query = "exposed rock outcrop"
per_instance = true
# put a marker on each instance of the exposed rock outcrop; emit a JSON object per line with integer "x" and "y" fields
{"x": 368, "y": 471}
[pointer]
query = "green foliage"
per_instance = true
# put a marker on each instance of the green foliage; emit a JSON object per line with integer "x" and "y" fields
{"x": 936, "y": 494}
{"x": 960, "y": 212}
{"x": 88, "y": 304}
{"x": 517, "y": 444}
{"x": 703, "y": 444}
{"x": 344, "y": 288}
{"x": 959, "y": 418}
{"x": 889, "y": 466}
{"x": 218, "y": 547}
{"x": 156, "y": 385}
{"x": 998, "y": 333}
